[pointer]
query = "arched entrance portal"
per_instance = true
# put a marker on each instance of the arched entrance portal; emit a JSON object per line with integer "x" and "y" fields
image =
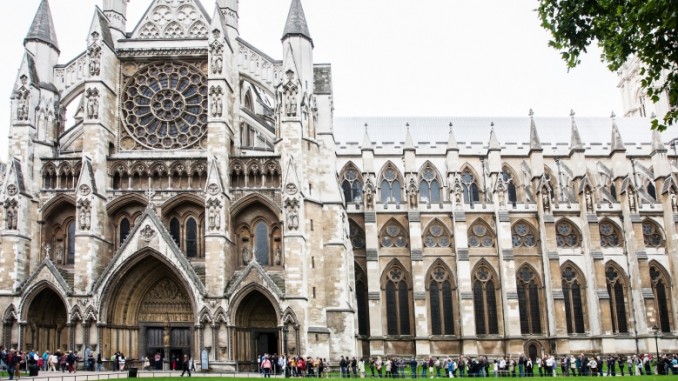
{"x": 47, "y": 328}
{"x": 256, "y": 330}
{"x": 150, "y": 312}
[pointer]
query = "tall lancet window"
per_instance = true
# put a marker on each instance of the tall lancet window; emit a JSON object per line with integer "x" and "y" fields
{"x": 390, "y": 187}
{"x": 573, "y": 293}
{"x": 352, "y": 186}
{"x": 123, "y": 230}
{"x": 397, "y": 302}
{"x": 529, "y": 302}
{"x": 485, "y": 302}
{"x": 441, "y": 299}
{"x": 661, "y": 289}
{"x": 469, "y": 187}
{"x": 429, "y": 187}
{"x": 71, "y": 244}
{"x": 616, "y": 287}
{"x": 262, "y": 243}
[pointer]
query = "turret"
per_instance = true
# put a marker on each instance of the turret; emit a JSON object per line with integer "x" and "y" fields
{"x": 230, "y": 9}
{"x": 298, "y": 47}
{"x": 116, "y": 12}
{"x": 41, "y": 42}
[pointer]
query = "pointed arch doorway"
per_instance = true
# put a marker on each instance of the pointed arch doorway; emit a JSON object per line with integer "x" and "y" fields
{"x": 47, "y": 326}
{"x": 256, "y": 331}
{"x": 150, "y": 312}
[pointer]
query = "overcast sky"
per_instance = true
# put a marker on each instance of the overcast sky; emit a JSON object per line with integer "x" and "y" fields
{"x": 389, "y": 57}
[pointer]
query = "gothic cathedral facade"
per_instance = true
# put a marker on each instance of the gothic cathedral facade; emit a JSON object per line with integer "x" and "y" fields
{"x": 203, "y": 198}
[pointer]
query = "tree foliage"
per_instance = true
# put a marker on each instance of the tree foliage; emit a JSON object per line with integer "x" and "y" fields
{"x": 645, "y": 29}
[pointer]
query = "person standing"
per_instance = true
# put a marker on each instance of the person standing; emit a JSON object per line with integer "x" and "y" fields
{"x": 185, "y": 366}
{"x": 100, "y": 363}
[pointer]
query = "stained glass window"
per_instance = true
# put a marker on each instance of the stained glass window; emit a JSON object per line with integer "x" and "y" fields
{"x": 609, "y": 235}
{"x": 567, "y": 235}
{"x": 485, "y": 302}
{"x": 523, "y": 235}
{"x": 529, "y": 303}
{"x": 616, "y": 290}
{"x": 574, "y": 303}
{"x": 652, "y": 234}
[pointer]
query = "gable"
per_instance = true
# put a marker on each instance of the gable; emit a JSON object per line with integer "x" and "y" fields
{"x": 173, "y": 19}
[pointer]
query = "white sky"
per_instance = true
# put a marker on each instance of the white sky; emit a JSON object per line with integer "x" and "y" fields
{"x": 389, "y": 57}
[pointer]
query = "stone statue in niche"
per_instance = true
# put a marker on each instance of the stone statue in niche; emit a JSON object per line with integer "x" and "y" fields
{"x": 246, "y": 255}
{"x": 216, "y": 53}
{"x": 546, "y": 199}
{"x": 22, "y": 107}
{"x": 59, "y": 253}
{"x": 277, "y": 256}
{"x": 368, "y": 191}
{"x": 292, "y": 215}
{"x": 291, "y": 91}
{"x": 413, "y": 193}
{"x": 632, "y": 200}
{"x": 93, "y": 104}
{"x": 217, "y": 101}
{"x": 11, "y": 214}
{"x": 214, "y": 214}
{"x": 85, "y": 214}
{"x": 48, "y": 248}
{"x": 94, "y": 52}
{"x": 588, "y": 198}
{"x": 674, "y": 201}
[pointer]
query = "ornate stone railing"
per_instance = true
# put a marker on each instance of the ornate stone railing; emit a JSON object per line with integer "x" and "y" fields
{"x": 72, "y": 73}
{"x": 258, "y": 66}
{"x": 274, "y": 195}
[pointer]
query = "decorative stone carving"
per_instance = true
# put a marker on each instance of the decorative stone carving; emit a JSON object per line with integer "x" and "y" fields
{"x": 674, "y": 201}
{"x": 214, "y": 214}
{"x": 213, "y": 189}
{"x": 92, "y": 103}
{"x": 412, "y": 193}
{"x": 94, "y": 53}
{"x": 12, "y": 190}
{"x": 291, "y": 189}
{"x": 48, "y": 249}
{"x": 217, "y": 108}
{"x": 217, "y": 53}
{"x": 292, "y": 209}
{"x": 632, "y": 200}
{"x": 290, "y": 93}
{"x": 85, "y": 190}
{"x": 22, "y": 96}
{"x": 147, "y": 233}
{"x": 85, "y": 214}
{"x": 11, "y": 214}
{"x": 457, "y": 194}
{"x": 246, "y": 256}
{"x": 545, "y": 199}
{"x": 369, "y": 194}
{"x": 588, "y": 198}
{"x": 501, "y": 192}
{"x": 277, "y": 254}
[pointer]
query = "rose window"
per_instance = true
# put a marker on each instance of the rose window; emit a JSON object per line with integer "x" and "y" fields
{"x": 566, "y": 235}
{"x": 164, "y": 106}
{"x": 480, "y": 237}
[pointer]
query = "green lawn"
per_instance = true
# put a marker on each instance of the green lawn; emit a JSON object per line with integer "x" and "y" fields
{"x": 239, "y": 377}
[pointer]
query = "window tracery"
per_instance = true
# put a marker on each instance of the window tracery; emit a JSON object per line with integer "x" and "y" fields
{"x": 529, "y": 301}
{"x": 164, "y": 106}
{"x": 469, "y": 187}
{"x": 523, "y": 235}
{"x": 485, "y": 301}
{"x": 573, "y": 283}
{"x": 441, "y": 298}
{"x": 397, "y": 301}
{"x": 480, "y": 235}
{"x": 609, "y": 235}
{"x": 390, "y": 186}
{"x": 357, "y": 235}
{"x": 616, "y": 285}
{"x": 567, "y": 235}
{"x": 429, "y": 186}
{"x": 509, "y": 179}
{"x": 652, "y": 234}
{"x": 393, "y": 235}
{"x": 436, "y": 235}
{"x": 352, "y": 186}
{"x": 662, "y": 297}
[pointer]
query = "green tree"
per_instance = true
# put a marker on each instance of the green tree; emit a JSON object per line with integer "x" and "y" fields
{"x": 623, "y": 29}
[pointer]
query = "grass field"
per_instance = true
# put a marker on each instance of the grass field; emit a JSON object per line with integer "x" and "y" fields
{"x": 239, "y": 377}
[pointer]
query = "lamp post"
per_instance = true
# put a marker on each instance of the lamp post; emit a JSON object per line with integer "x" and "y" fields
{"x": 655, "y": 330}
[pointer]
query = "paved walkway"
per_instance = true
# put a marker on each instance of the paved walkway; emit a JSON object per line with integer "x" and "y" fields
{"x": 109, "y": 375}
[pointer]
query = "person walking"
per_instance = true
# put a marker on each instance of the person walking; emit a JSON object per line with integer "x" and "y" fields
{"x": 186, "y": 367}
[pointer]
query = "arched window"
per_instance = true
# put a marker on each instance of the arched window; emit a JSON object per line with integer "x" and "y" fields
{"x": 469, "y": 187}
{"x": 363, "y": 302}
{"x": 393, "y": 235}
{"x": 390, "y": 187}
{"x": 651, "y": 190}
{"x": 175, "y": 231}
{"x": 574, "y": 300}
{"x": 485, "y": 301}
{"x": 397, "y": 303}
{"x": 71, "y": 244}
{"x": 123, "y": 230}
{"x": 352, "y": 186}
{"x": 510, "y": 187}
{"x": 661, "y": 289}
{"x": 436, "y": 235}
{"x": 249, "y": 105}
{"x": 441, "y": 301}
{"x": 523, "y": 235}
{"x": 191, "y": 238}
{"x": 616, "y": 290}
{"x": 529, "y": 302}
{"x": 429, "y": 187}
{"x": 261, "y": 243}
{"x": 357, "y": 235}
{"x": 567, "y": 234}
{"x": 610, "y": 236}
{"x": 480, "y": 235}
{"x": 652, "y": 234}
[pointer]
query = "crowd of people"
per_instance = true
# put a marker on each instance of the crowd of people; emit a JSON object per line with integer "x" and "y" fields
{"x": 466, "y": 366}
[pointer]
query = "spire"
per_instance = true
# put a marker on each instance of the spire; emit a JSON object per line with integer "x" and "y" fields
{"x": 296, "y": 22}
{"x": 616, "y": 144}
{"x": 42, "y": 28}
{"x": 409, "y": 143}
{"x": 452, "y": 141}
{"x": 535, "y": 144}
{"x": 575, "y": 140}
{"x": 494, "y": 143}
{"x": 367, "y": 143}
